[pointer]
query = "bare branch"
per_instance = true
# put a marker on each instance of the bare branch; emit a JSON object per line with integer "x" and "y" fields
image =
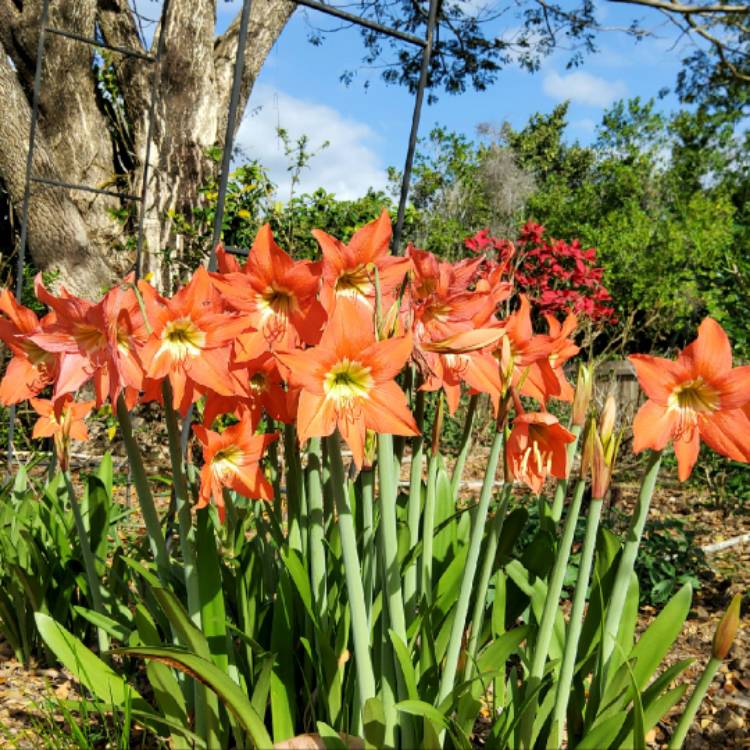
{"x": 266, "y": 23}
{"x": 680, "y": 8}
{"x": 720, "y": 47}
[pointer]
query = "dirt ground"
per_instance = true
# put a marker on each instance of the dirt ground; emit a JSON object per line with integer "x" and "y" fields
{"x": 724, "y": 718}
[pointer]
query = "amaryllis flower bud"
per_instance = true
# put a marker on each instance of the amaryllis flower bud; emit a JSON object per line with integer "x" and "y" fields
{"x": 600, "y": 447}
{"x": 582, "y": 396}
{"x": 726, "y": 630}
{"x": 607, "y": 419}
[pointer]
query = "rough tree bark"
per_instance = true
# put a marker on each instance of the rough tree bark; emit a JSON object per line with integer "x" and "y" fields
{"x": 75, "y": 233}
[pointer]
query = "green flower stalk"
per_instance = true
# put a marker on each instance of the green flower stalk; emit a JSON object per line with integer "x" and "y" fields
{"x": 579, "y": 410}
{"x": 367, "y": 484}
{"x": 388, "y": 537}
{"x": 599, "y": 455}
{"x": 627, "y": 560}
{"x": 184, "y": 517}
{"x": 294, "y": 487}
{"x": 428, "y": 518}
{"x": 353, "y": 574}
{"x": 551, "y": 608}
{"x": 89, "y": 563}
{"x": 458, "y": 469}
{"x": 467, "y": 582}
{"x": 477, "y": 619}
{"x": 723, "y": 639}
{"x": 145, "y": 498}
{"x": 414, "y": 505}
{"x": 317, "y": 530}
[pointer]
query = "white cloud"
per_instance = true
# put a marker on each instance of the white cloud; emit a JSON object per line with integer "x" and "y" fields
{"x": 585, "y": 126}
{"x": 347, "y": 167}
{"x": 583, "y": 88}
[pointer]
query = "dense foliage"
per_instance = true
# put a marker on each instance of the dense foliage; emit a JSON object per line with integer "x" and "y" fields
{"x": 660, "y": 198}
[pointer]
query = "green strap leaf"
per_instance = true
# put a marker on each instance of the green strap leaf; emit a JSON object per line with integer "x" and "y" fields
{"x": 88, "y": 668}
{"x": 210, "y": 675}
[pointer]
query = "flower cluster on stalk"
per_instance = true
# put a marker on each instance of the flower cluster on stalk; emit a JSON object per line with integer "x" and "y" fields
{"x": 320, "y": 345}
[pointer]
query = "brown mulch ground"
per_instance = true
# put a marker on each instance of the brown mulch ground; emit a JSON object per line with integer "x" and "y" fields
{"x": 28, "y": 713}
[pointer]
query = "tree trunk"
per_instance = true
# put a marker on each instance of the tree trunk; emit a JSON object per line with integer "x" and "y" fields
{"x": 88, "y": 136}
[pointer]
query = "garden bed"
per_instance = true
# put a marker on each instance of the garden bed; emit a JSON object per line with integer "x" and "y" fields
{"x": 31, "y": 699}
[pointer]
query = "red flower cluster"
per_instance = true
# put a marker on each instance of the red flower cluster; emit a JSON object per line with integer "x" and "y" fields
{"x": 556, "y": 275}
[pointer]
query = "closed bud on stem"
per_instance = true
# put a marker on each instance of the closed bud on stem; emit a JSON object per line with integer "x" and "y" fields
{"x": 727, "y": 628}
{"x": 583, "y": 394}
{"x": 371, "y": 449}
{"x": 600, "y": 447}
{"x": 390, "y": 322}
{"x": 587, "y": 453}
{"x": 607, "y": 419}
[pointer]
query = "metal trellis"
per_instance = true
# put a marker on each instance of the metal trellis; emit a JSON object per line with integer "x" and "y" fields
{"x": 44, "y": 29}
{"x": 425, "y": 43}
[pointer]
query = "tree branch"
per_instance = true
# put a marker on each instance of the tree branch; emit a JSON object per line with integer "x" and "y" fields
{"x": 267, "y": 21}
{"x": 680, "y": 8}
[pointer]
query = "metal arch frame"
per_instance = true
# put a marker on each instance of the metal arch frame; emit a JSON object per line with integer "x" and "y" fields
{"x": 32, "y": 178}
{"x": 426, "y": 44}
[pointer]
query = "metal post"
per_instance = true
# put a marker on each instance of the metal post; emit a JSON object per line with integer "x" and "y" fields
{"x": 226, "y": 156}
{"x": 406, "y": 179}
{"x": 21, "y": 259}
{"x": 156, "y": 80}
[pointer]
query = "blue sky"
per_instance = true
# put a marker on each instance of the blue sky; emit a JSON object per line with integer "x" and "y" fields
{"x": 299, "y": 89}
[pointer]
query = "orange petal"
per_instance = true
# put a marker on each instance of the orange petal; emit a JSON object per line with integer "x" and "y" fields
{"x": 353, "y": 432}
{"x": 306, "y": 369}
{"x": 657, "y": 376}
{"x": 350, "y": 329}
{"x": 372, "y": 240}
{"x": 316, "y": 416}
{"x": 483, "y": 374}
{"x": 466, "y": 341}
{"x": 686, "y": 449}
{"x": 386, "y": 411}
{"x": 652, "y": 427}
{"x": 388, "y": 357}
{"x": 19, "y": 382}
{"x": 728, "y": 433}
{"x": 711, "y": 353}
{"x": 211, "y": 369}
{"x": 734, "y": 388}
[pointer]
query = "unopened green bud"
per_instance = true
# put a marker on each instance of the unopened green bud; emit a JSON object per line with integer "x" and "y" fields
{"x": 587, "y": 453}
{"x": 582, "y": 397}
{"x": 607, "y": 419}
{"x": 727, "y": 628}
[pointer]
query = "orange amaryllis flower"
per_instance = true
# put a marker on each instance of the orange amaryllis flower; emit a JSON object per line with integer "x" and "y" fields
{"x": 191, "y": 342}
{"x": 232, "y": 459}
{"x": 32, "y": 368}
{"x": 95, "y": 341}
{"x": 524, "y": 357}
{"x": 347, "y": 381}
{"x": 279, "y": 296}
{"x": 348, "y": 270}
{"x": 265, "y": 393}
{"x": 563, "y": 348}
{"x": 444, "y": 312}
{"x": 62, "y": 420}
{"x": 699, "y": 395}
{"x": 536, "y": 449}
